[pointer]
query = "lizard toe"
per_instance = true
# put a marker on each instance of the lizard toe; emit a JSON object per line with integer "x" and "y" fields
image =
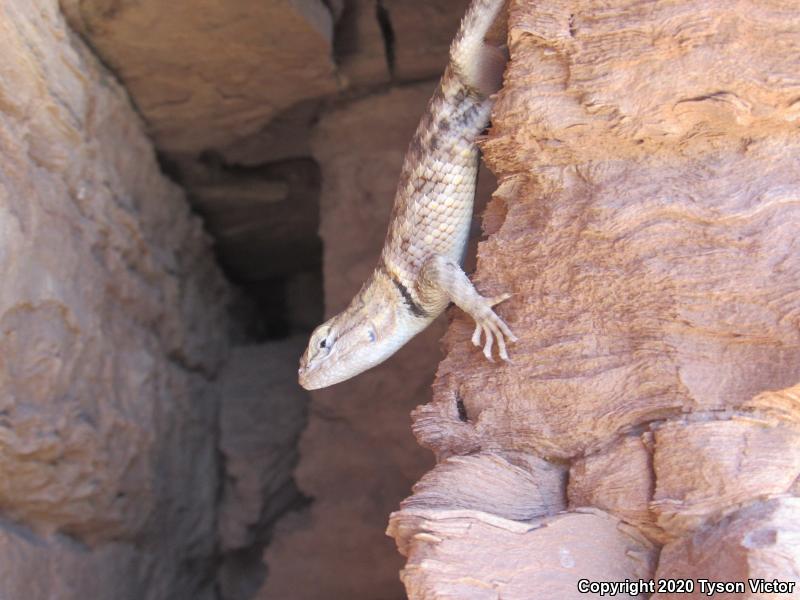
{"x": 476, "y": 335}
{"x": 487, "y": 348}
{"x": 495, "y": 300}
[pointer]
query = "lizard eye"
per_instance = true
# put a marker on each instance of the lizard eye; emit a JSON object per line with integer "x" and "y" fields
{"x": 326, "y": 343}
{"x": 371, "y": 334}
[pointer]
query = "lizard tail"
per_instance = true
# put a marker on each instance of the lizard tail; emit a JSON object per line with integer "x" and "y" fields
{"x": 477, "y": 64}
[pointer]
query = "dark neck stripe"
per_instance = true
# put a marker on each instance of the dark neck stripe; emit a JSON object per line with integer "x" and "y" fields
{"x": 415, "y": 308}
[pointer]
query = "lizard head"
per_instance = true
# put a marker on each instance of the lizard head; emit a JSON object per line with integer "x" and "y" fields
{"x": 365, "y": 334}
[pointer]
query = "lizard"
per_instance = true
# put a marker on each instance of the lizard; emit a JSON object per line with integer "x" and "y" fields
{"x": 419, "y": 273}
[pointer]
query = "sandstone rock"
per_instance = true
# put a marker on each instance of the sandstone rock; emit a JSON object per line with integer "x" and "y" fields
{"x": 472, "y": 555}
{"x": 619, "y": 480}
{"x": 225, "y": 88}
{"x": 492, "y": 483}
{"x": 361, "y": 44}
{"x": 260, "y": 422}
{"x": 286, "y": 137}
{"x": 205, "y": 73}
{"x": 646, "y": 224}
{"x": 112, "y": 323}
{"x": 758, "y": 542}
{"x": 264, "y": 218}
{"x": 422, "y": 35}
{"x": 612, "y": 250}
{"x": 410, "y": 38}
{"x": 733, "y": 462}
{"x": 58, "y": 567}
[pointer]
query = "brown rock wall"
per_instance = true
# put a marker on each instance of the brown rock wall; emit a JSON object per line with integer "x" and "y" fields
{"x": 112, "y": 323}
{"x": 646, "y": 224}
{"x": 205, "y": 73}
{"x": 261, "y": 418}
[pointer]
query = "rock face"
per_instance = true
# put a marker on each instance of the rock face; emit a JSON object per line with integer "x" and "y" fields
{"x": 646, "y": 222}
{"x": 205, "y": 73}
{"x": 112, "y": 323}
{"x": 242, "y": 101}
{"x": 261, "y": 418}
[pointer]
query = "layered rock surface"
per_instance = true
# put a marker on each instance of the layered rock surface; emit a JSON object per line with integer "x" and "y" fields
{"x": 645, "y": 221}
{"x": 206, "y": 73}
{"x": 112, "y": 323}
{"x": 646, "y": 224}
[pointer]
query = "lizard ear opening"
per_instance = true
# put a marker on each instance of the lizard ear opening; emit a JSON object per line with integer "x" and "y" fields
{"x": 371, "y": 335}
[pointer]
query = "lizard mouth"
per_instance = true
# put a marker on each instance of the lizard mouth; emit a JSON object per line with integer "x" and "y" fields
{"x": 308, "y": 376}
{"x": 303, "y": 374}
{"x": 303, "y": 380}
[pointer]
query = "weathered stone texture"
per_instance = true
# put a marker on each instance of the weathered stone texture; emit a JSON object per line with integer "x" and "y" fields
{"x": 422, "y": 35}
{"x": 458, "y": 554}
{"x": 757, "y": 542}
{"x": 646, "y": 222}
{"x": 412, "y": 41}
{"x": 112, "y": 322}
{"x": 205, "y": 73}
{"x": 261, "y": 417}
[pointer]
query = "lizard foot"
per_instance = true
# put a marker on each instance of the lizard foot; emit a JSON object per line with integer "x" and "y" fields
{"x": 441, "y": 274}
{"x": 492, "y": 328}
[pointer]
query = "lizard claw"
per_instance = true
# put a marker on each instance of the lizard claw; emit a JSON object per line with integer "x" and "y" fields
{"x": 492, "y": 328}
{"x": 494, "y": 300}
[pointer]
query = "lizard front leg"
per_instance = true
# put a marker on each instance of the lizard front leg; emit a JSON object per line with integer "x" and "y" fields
{"x": 442, "y": 277}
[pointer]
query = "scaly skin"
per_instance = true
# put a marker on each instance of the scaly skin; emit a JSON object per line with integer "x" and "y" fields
{"x": 418, "y": 273}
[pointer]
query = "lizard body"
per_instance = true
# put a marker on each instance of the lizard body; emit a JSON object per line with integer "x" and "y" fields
{"x": 418, "y": 273}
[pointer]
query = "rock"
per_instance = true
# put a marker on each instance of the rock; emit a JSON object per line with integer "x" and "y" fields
{"x": 545, "y": 558}
{"x": 287, "y": 137}
{"x": 226, "y": 88}
{"x": 260, "y": 422}
{"x": 605, "y": 257}
{"x": 361, "y": 43}
{"x": 618, "y": 480}
{"x": 422, "y": 35}
{"x": 264, "y": 218}
{"x": 205, "y": 73}
{"x": 492, "y": 483}
{"x": 401, "y": 40}
{"x": 112, "y": 324}
{"x": 758, "y": 542}
{"x": 645, "y": 224}
{"x": 733, "y": 462}
{"x": 59, "y": 567}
